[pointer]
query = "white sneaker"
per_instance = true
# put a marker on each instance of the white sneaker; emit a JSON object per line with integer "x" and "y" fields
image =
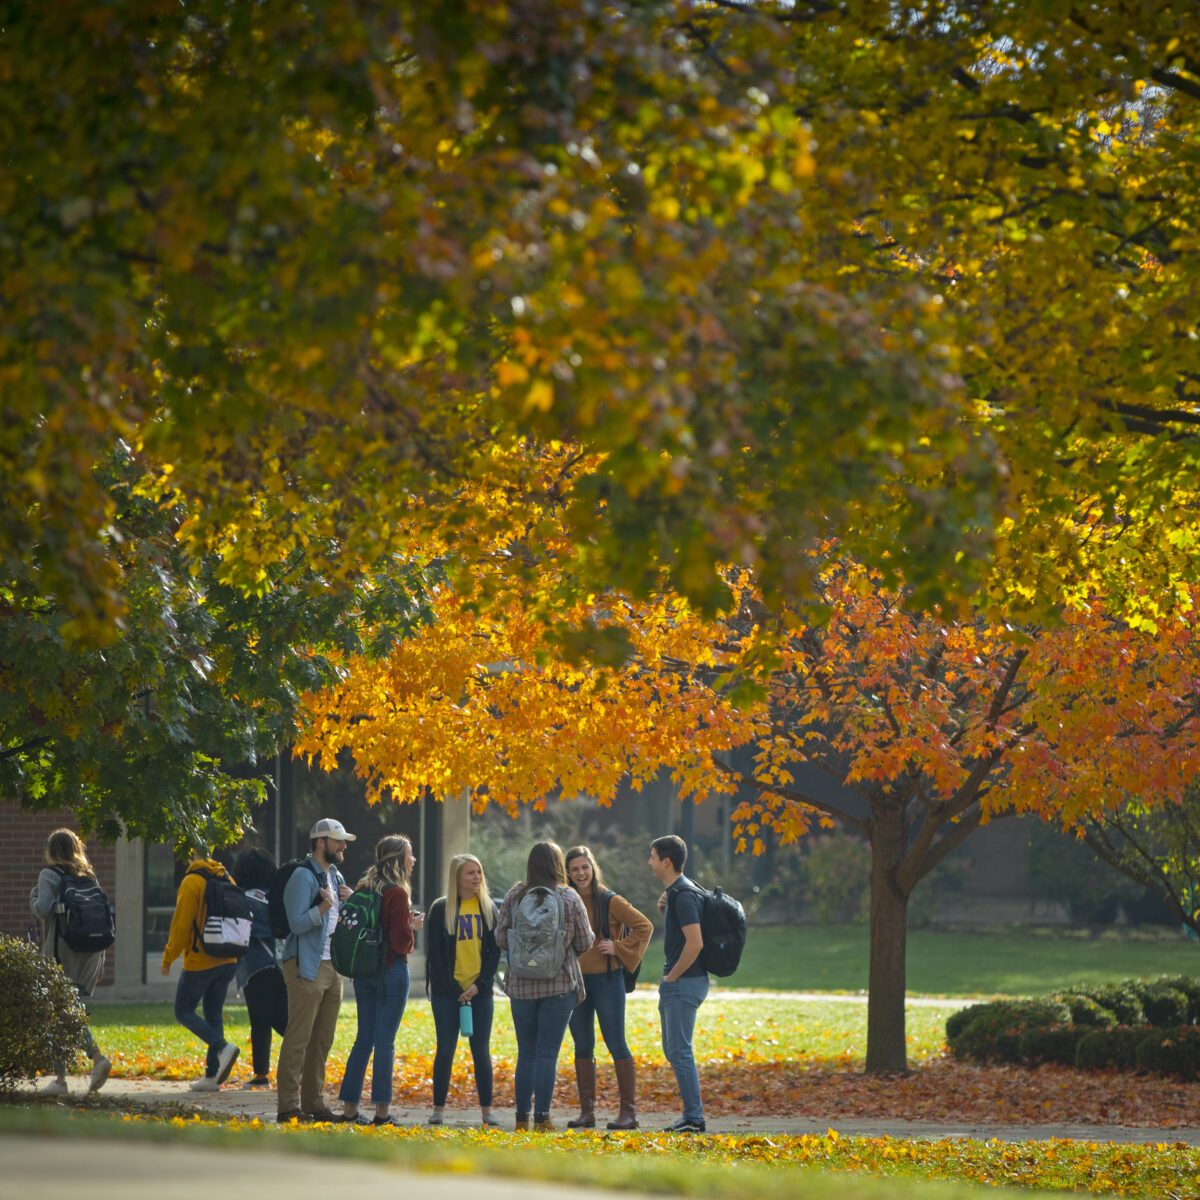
{"x": 206, "y": 1083}
{"x": 225, "y": 1060}
{"x": 100, "y": 1069}
{"x": 56, "y": 1087}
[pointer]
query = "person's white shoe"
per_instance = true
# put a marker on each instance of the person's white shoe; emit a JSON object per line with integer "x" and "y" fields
{"x": 100, "y": 1069}
{"x": 225, "y": 1059}
{"x": 206, "y": 1083}
{"x": 56, "y": 1087}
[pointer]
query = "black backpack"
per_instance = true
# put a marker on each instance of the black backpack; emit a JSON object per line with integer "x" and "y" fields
{"x": 228, "y": 917}
{"x": 723, "y": 928}
{"x": 84, "y": 917}
{"x": 276, "y": 913}
{"x": 631, "y": 977}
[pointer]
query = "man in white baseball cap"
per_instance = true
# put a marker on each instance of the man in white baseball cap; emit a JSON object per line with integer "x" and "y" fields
{"x": 312, "y": 897}
{"x": 327, "y": 827}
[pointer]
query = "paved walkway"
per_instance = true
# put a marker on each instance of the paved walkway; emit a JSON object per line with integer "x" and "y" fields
{"x": 246, "y": 1103}
{"x": 51, "y": 1168}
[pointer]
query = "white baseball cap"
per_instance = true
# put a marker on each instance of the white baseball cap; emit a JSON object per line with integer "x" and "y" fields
{"x": 328, "y": 827}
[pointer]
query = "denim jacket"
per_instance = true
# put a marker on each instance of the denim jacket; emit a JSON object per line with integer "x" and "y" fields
{"x": 264, "y": 948}
{"x": 309, "y": 925}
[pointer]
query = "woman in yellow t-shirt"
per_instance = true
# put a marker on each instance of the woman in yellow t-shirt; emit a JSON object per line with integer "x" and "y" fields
{"x": 461, "y": 957}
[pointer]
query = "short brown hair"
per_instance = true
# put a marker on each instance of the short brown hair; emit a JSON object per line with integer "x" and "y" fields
{"x": 671, "y": 846}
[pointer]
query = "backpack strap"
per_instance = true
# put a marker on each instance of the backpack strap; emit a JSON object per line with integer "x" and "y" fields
{"x": 207, "y": 876}
{"x": 62, "y": 874}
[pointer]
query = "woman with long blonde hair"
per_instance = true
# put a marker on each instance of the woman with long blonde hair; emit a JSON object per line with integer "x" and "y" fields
{"x": 380, "y": 998}
{"x": 66, "y": 858}
{"x": 461, "y": 957}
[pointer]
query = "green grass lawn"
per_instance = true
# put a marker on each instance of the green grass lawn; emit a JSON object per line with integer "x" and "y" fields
{"x": 144, "y": 1038}
{"x": 1004, "y": 962}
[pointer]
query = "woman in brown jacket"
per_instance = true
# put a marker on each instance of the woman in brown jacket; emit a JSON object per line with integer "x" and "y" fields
{"x": 620, "y": 945}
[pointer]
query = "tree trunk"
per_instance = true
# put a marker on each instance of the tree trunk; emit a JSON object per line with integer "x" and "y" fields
{"x": 886, "y": 1044}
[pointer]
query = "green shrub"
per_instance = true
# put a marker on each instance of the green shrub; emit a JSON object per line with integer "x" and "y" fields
{"x": 837, "y": 873}
{"x": 1103, "y": 1048}
{"x": 41, "y": 1019}
{"x": 1175, "y": 1052}
{"x": 1165, "y": 1007}
{"x": 956, "y": 1022}
{"x": 994, "y": 1033}
{"x": 1121, "y": 1000}
{"x": 1050, "y": 1044}
{"x": 1189, "y": 985}
{"x": 1085, "y": 1010}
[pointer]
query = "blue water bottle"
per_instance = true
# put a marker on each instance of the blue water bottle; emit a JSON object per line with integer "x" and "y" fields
{"x": 466, "y": 1020}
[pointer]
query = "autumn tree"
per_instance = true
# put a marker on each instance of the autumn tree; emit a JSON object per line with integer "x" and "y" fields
{"x": 167, "y": 731}
{"x": 1157, "y": 845}
{"x": 920, "y": 276}
{"x": 930, "y": 726}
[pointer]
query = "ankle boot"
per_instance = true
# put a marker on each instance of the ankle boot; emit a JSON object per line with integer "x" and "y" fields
{"x": 522, "y": 1121}
{"x": 627, "y": 1090}
{"x": 585, "y": 1079}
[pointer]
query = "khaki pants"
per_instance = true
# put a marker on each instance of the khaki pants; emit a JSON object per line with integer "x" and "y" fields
{"x": 312, "y": 1021}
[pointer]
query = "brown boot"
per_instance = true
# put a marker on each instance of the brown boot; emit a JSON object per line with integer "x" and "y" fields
{"x": 543, "y": 1123}
{"x": 585, "y": 1079}
{"x": 522, "y": 1121}
{"x": 627, "y": 1090}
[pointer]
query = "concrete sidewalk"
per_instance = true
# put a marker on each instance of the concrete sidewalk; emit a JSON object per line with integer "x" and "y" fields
{"x": 38, "y": 1168}
{"x": 234, "y": 1101}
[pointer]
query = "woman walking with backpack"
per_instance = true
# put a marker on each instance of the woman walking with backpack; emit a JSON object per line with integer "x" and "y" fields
{"x": 461, "y": 957}
{"x": 258, "y": 973}
{"x": 380, "y": 997}
{"x": 622, "y": 935}
{"x": 67, "y": 866}
{"x": 544, "y": 927}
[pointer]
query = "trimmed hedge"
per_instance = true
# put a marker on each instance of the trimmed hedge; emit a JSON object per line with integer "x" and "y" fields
{"x": 1122, "y": 1000}
{"x": 993, "y": 1034}
{"x": 1053, "y": 1044}
{"x": 1175, "y": 1052}
{"x": 1149, "y": 1025}
{"x": 1165, "y": 1007}
{"x": 1100, "y": 1049}
{"x": 1085, "y": 1009}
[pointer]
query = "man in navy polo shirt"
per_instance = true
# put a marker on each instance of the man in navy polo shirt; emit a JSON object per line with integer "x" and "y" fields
{"x": 684, "y": 984}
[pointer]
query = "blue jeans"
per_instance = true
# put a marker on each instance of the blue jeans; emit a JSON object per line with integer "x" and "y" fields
{"x": 540, "y": 1026}
{"x": 678, "y": 1004}
{"x": 380, "y": 1001}
{"x": 604, "y": 1002}
{"x": 445, "y": 1021}
{"x": 206, "y": 988}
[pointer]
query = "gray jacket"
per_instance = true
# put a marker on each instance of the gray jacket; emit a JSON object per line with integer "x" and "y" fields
{"x": 83, "y": 970}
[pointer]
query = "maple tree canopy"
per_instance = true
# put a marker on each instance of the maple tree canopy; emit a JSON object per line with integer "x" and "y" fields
{"x": 921, "y": 727}
{"x": 920, "y": 277}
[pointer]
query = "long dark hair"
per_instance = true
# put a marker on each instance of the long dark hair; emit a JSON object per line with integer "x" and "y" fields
{"x": 545, "y": 867}
{"x": 255, "y": 868}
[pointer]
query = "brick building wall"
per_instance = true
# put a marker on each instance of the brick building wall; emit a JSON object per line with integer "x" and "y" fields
{"x": 24, "y": 836}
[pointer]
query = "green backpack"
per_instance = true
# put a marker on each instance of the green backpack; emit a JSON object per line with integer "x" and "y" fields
{"x": 357, "y": 947}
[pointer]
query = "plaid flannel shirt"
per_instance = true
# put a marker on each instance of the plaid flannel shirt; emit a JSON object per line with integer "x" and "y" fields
{"x": 579, "y": 939}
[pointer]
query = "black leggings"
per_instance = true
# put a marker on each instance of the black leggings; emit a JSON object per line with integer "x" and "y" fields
{"x": 445, "y": 1020}
{"x": 266, "y": 1002}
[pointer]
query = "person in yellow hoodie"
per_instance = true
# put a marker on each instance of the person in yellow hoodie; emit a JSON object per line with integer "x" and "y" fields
{"x": 204, "y": 980}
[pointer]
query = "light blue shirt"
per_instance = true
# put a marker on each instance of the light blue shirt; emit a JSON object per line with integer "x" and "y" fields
{"x": 309, "y": 925}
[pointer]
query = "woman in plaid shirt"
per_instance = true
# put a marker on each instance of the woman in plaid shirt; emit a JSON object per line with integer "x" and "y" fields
{"x": 541, "y": 1007}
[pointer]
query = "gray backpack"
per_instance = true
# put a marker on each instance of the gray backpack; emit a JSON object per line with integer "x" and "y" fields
{"x": 537, "y": 941}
